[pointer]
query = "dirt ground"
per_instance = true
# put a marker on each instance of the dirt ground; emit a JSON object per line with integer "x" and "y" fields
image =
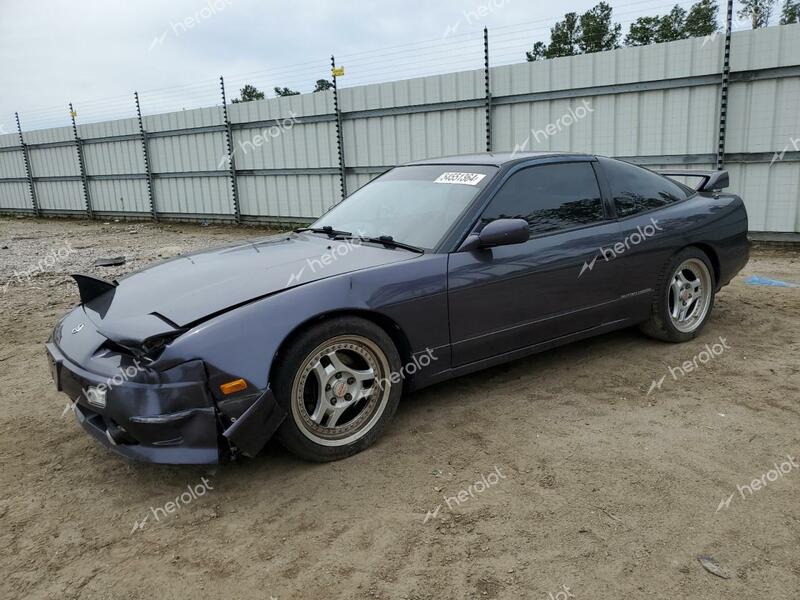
{"x": 576, "y": 482}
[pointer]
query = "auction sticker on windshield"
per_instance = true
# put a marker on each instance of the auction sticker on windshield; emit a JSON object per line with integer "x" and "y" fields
{"x": 462, "y": 178}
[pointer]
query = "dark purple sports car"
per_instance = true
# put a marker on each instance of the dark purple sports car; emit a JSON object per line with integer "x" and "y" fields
{"x": 435, "y": 269}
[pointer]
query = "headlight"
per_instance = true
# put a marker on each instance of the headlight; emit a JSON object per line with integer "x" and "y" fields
{"x": 150, "y": 349}
{"x": 153, "y": 347}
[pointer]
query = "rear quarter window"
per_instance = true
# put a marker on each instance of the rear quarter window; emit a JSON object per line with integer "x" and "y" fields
{"x": 637, "y": 190}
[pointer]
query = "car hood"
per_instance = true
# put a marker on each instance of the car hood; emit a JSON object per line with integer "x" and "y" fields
{"x": 187, "y": 289}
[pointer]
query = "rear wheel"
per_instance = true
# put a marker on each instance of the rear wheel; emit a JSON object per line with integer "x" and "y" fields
{"x": 334, "y": 383}
{"x": 685, "y": 298}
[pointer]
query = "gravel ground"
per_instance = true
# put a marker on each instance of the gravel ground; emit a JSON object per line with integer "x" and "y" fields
{"x": 590, "y": 487}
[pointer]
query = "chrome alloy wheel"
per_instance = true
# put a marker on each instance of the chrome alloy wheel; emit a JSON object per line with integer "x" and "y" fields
{"x": 689, "y": 295}
{"x": 341, "y": 390}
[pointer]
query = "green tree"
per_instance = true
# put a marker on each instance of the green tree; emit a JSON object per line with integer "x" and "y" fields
{"x": 539, "y": 48}
{"x": 702, "y": 19}
{"x": 675, "y": 25}
{"x": 248, "y": 93}
{"x": 791, "y": 12}
{"x": 643, "y": 31}
{"x": 758, "y": 11}
{"x": 322, "y": 85}
{"x": 565, "y": 37}
{"x": 593, "y": 31}
{"x": 285, "y": 92}
{"x": 672, "y": 25}
{"x": 597, "y": 31}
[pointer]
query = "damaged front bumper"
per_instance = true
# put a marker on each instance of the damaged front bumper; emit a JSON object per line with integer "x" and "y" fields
{"x": 175, "y": 420}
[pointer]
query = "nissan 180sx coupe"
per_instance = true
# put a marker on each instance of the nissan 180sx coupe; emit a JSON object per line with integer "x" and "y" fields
{"x": 435, "y": 269}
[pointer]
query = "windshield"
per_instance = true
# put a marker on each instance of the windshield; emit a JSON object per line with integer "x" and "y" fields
{"x": 415, "y": 205}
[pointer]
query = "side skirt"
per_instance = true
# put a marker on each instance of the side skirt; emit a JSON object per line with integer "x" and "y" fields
{"x": 421, "y": 382}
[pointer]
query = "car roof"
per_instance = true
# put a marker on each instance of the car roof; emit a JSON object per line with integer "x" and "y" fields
{"x": 495, "y": 159}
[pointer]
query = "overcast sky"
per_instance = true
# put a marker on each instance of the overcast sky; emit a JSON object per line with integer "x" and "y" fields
{"x": 96, "y": 52}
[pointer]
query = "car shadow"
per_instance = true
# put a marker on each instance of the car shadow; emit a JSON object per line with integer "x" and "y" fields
{"x": 527, "y": 367}
{"x": 415, "y": 408}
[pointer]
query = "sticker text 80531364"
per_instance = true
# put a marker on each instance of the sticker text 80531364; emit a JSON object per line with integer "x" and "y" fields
{"x": 462, "y": 178}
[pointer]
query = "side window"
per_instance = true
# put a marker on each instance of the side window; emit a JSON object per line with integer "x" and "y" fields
{"x": 637, "y": 190}
{"x": 549, "y": 197}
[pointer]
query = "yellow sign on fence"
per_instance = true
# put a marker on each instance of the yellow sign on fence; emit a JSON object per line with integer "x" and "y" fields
{"x": 338, "y": 71}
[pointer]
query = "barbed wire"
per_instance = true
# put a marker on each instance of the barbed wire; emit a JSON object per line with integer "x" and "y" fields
{"x": 453, "y": 52}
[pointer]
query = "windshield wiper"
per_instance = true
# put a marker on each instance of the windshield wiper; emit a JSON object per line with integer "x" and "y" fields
{"x": 328, "y": 230}
{"x": 390, "y": 242}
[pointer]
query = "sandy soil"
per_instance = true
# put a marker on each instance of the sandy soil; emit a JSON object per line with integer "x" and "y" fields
{"x": 606, "y": 491}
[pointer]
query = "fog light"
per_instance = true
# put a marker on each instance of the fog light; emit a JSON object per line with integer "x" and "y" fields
{"x": 96, "y": 396}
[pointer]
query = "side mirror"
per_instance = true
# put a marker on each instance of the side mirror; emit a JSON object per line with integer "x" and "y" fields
{"x": 500, "y": 232}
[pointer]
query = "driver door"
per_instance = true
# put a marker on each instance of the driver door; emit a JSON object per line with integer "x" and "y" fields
{"x": 507, "y": 298}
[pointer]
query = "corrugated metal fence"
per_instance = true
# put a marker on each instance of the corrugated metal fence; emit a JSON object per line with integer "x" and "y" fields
{"x": 655, "y": 105}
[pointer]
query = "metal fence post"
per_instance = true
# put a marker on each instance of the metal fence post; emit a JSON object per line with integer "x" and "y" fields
{"x": 231, "y": 162}
{"x": 79, "y": 147}
{"x": 339, "y": 136}
{"x": 488, "y": 89}
{"x": 723, "y": 98}
{"x": 146, "y": 152}
{"x": 28, "y": 172}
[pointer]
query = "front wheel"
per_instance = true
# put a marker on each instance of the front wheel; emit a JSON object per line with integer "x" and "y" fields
{"x": 684, "y": 300}
{"x": 334, "y": 382}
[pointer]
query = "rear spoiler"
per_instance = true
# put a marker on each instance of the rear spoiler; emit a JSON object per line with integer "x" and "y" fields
{"x": 712, "y": 181}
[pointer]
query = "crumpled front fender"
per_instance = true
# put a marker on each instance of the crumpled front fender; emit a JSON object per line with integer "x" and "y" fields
{"x": 251, "y": 431}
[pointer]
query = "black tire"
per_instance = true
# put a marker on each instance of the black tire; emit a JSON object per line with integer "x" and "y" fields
{"x": 661, "y": 325}
{"x": 294, "y": 376}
